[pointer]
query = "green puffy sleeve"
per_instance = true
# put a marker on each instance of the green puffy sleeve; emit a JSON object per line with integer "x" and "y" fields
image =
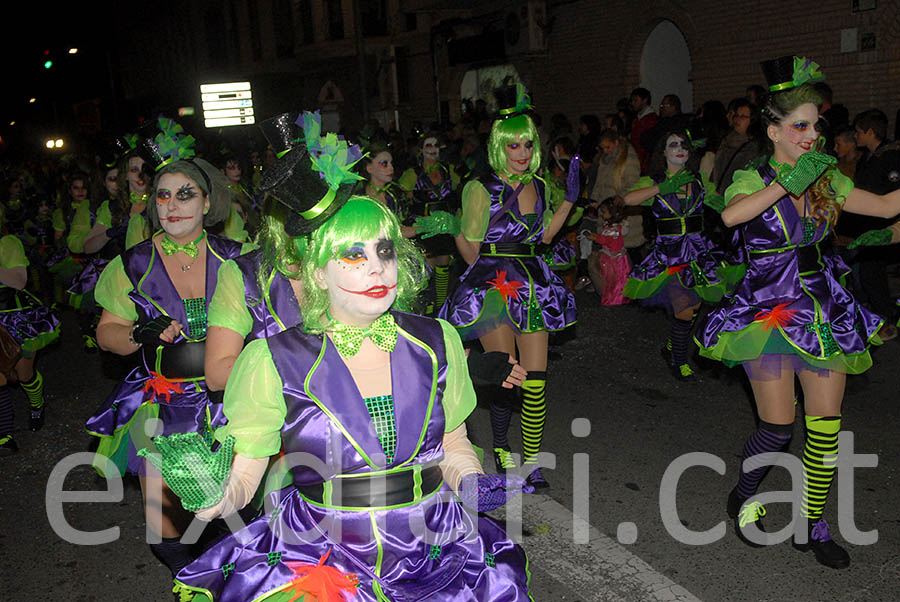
{"x": 228, "y": 307}
{"x": 745, "y": 181}
{"x": 59, "y": 224}
{"x": 407, "y": 181}
{"x": 644, "y": 182}
{"x": 476, "y": 211}
{"x": 112, "y": 291}
{"x": 840, "y": 184}
{"x": 12, "y": 253}
{"x": 254, "y": 403}
{"x": 138, "y": 230}
{"x": 459, "y": 394}
{"x": 80, "y": 228}
{"x": 234, "y": 226}
{"x": 104, "y": 215}
{"x": 248, "y": 246}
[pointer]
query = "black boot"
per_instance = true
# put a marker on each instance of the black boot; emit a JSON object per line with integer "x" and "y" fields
{"x": 826, "y": 550}
{"x": 743, "y": 514}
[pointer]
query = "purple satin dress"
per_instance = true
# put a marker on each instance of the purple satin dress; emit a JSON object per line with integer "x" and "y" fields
{"x": 466, "y": 558}
{"x": 683, "y": 266}
{"x": 792, "y": 287}
{"x": 190, "y": 410}
{"x": 532, "y": 297}
{"x": 273, "y": 312}
{"x": 31, "y": 323}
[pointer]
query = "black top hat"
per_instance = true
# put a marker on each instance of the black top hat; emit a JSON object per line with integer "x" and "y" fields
{"x": 293, "y": 180}
{"x": 163, "y": 141}
{"x": 512, "y": 100}
{"x": 117, "y": 148}
{"x": 786, "y": 72}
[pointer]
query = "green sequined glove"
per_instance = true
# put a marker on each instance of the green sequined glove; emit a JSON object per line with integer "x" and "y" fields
{"x": 675, "y": 182}
{"x": 191, "y": 469}
{"x": 807, "y": 170}
{"x": 715, "y": 201}
{"x": 439, "y": 222}
{"x": 873, "y": 238}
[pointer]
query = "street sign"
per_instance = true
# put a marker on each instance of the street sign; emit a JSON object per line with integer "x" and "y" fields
{"x": 227, "y": 104}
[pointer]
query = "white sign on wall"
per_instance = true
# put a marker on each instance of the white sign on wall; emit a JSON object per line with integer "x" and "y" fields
{"x": 227, "y": 104}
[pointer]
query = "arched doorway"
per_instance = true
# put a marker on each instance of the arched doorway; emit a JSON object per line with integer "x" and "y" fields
{"x": 666, "y": 65}
{"x": 479, "y": 84}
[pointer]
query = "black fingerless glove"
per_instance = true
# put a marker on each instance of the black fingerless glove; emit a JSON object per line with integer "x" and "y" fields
{"x": 148, "y": 333}
{"x": 491, "y": 367}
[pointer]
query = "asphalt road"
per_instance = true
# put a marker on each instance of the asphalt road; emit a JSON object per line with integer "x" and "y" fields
{"x": 632, "y": 420}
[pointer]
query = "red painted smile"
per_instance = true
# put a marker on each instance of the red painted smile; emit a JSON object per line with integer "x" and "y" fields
{"x": 175, "y": 218}
{"x": 376, "y": 292}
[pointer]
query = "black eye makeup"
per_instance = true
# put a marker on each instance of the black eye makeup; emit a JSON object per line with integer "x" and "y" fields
{"x": 186, "y": 193}
{"x": 385, "y": 249}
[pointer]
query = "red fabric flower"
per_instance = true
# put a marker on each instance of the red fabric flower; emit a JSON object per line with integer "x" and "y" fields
{"x": 160, "y": 386}
{"x": 675, "y": 269}
{"x": 325, "y": 583}
{"x": 507, "y": 289}
{"x": 777, "y": 316}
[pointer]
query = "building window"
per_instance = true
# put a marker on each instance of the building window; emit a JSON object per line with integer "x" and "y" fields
{"x": 255, "y": 38}
{"x": 283, "y": 15}
{"x": 304, "y": 11}
{"x": 335, "y": 14}
{"x": 412, "y": 21}
{"x": 374, "y": 17}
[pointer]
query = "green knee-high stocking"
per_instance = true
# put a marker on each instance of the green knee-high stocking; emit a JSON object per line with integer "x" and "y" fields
{"x": 819, "y": 457}
{"x": 441, "y": 283}
{"x": 34, "y": 389}
{"x": 534, "y": 415}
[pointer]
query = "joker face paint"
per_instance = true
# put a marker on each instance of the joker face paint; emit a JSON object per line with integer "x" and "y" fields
{"x": 180, "y": 204}
{"x": 361, "y": 281}
{"x": 796, "y": 134}
{"x": 518, "y": 155}
{"x": 137, "y": 181}
{"x": 233, "y": 171}
{"x": 676, "y": 152}
{"x": 430, "y": 149}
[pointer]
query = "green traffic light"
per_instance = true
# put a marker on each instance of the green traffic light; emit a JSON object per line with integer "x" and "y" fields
{"x": 48, "y": 64}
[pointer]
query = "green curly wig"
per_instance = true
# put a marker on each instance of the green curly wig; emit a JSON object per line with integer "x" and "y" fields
{"x": 361, "y": 218}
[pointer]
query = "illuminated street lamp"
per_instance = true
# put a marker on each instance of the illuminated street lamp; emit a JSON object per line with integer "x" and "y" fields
{"x": 58, "y": 143}
{"x": 49, "y": 144}
{"x": 32, "y": 100}
{"x": 73, "y": 51}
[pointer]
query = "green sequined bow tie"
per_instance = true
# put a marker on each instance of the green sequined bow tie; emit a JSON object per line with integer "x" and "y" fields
{"x": 347, "y": 338}
{"x": 524, "y": 178}
{"x": 170, "y": 247}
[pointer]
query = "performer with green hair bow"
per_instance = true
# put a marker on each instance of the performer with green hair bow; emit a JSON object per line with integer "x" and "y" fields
{"x": 791, "y": 317}
{"x": 368, "y": 404}
{"x": 155, "y": 303}
{"x": 508, "y": 297}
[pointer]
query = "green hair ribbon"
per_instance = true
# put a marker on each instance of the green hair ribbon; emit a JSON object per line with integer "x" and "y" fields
{"x": 330, "y": 154}
{"x": 172, "y": 143}
{"x": 805, "y": 70}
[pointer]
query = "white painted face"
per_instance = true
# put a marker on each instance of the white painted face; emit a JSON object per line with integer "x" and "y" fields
{"x": 430, "y": 148}
{"x": 111, "y": 183}
{"x": 381, "y": 167}
{"x": 361, "y": 282}
{"x": 180, "y": 204}
{"x": 676, "y": 153}
{"x": 518, "y": 155}
{"x": 796, "y": 134}
{"x": 233, "y": 171}
{"x": 137, "y": 182}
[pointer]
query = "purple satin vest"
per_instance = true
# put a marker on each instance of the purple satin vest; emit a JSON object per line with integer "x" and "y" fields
{"x": 273, "y": 312}
{"x": 511, "y": 226}
{"x": 315, "y": 380}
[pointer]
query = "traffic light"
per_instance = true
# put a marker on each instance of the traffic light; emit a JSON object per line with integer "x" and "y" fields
{"x": 48, "y": 64}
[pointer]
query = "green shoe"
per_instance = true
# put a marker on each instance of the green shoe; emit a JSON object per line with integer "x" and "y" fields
{"x": 503, "y": 459}
{"x": 683, "y": 372}
{"x": 8, "y": 446}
